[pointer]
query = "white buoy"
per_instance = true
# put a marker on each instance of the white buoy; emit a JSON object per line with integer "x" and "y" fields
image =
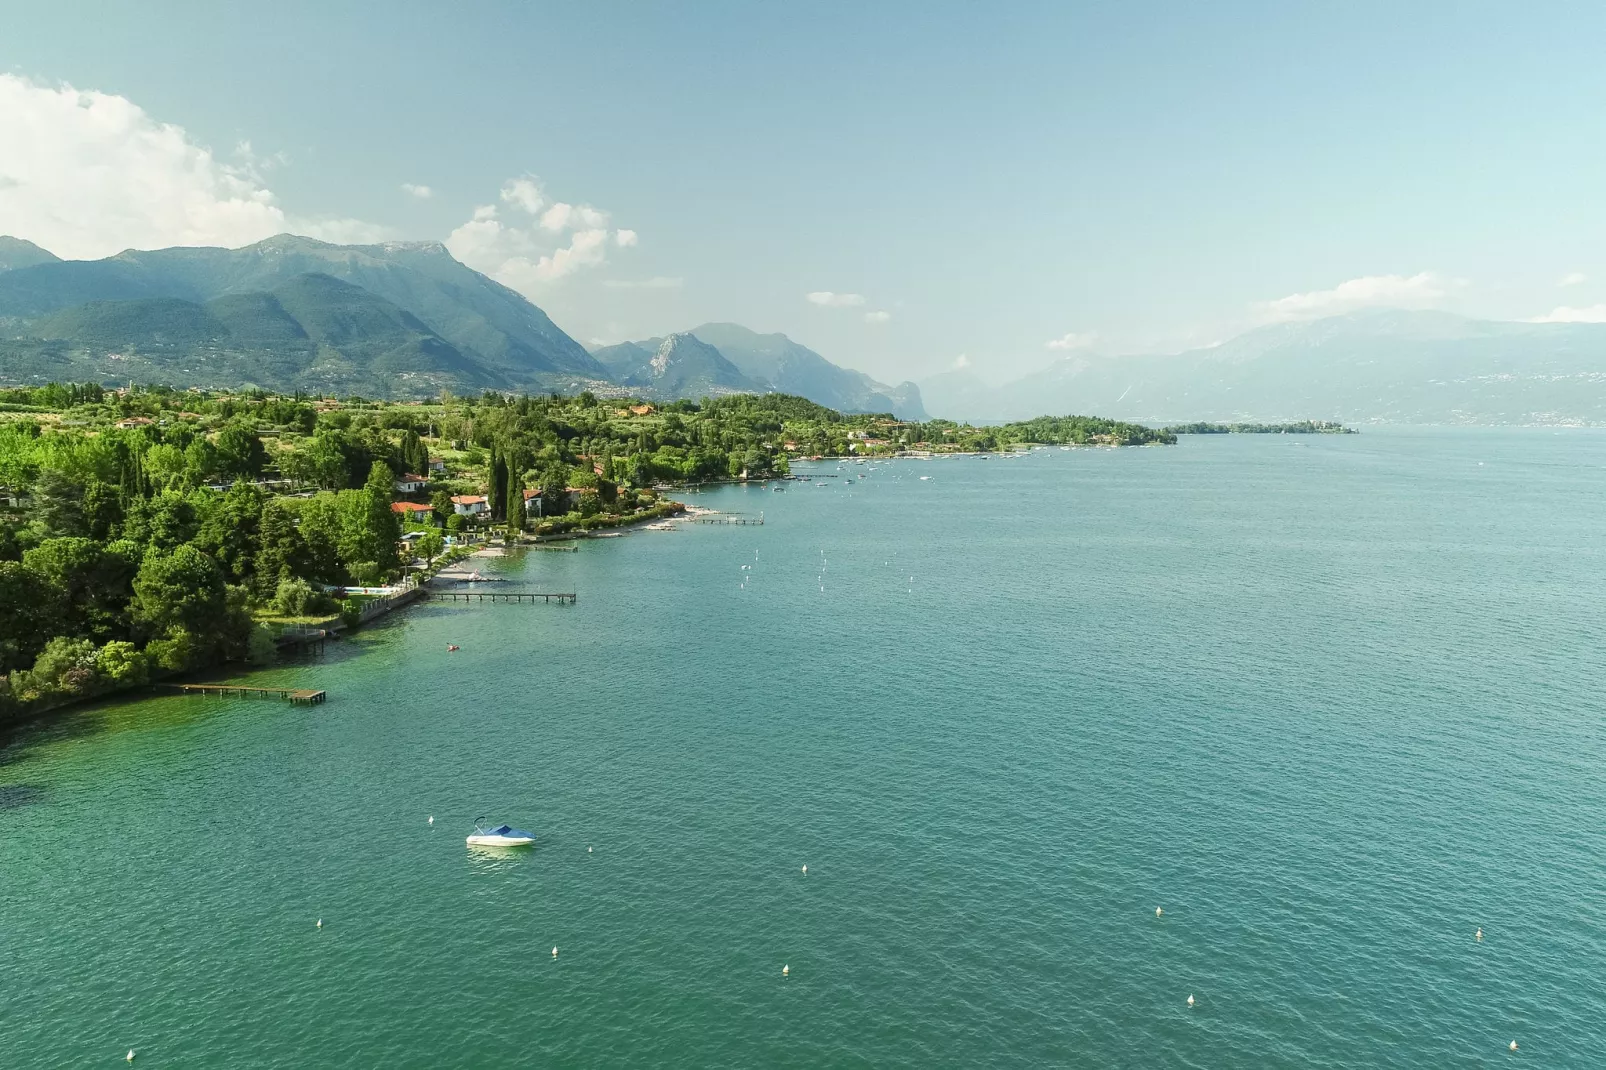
{"x": 1190, "y": 999}
{"x": 1513, "y": 1043}
{"x": 1158, "y": 912}
{"x": 554, "y": 952}
{"x": 786, "y": 971}
{"x": 805, "y": 870}
{"x": 320, "y": 923}
{"x": 431, "y": 819}
{"x": 1478, "y": 935}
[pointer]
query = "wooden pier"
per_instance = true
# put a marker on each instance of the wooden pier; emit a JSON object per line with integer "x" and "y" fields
{"x": 568, "y": 597}
{"x": 301, "y": 696}
{"x": 730, "y": 518}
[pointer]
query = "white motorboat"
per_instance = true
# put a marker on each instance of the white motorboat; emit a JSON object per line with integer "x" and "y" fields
{"x": 500, "y": 836}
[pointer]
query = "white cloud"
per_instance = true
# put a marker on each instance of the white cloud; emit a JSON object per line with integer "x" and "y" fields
{"x": 88, "y": 174}
{"x": 834, "y": 300}
{"x": 413, "y": 189}
{"x": 1423, "y": 290}
{"x": 877, "y": 316}
{"x": 529, "y": 250}
{"x": 1572, "y": 278}
{"x": 657, "y": 282}
{"x": 1071, "y": 340}
{"x": 962, "y": 361}
{"x": 523, "y": 193}
{"x": 1592, "y": 314}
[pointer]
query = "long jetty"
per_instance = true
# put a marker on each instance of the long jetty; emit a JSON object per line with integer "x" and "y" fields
{"x": 562, "y": 598}
{"x": 300, "y": 695}
{"x": 730, "y": 518}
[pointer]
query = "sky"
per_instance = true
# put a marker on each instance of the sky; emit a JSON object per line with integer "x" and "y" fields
{"x": 908, "y": 188}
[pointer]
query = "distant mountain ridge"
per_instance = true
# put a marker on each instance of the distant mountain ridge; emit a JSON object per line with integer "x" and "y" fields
{"x": 16, "y": 253}
{"x": 399, "y": 319}
{"x": 313, "y": 332}
{"x": 1385, "y": 365}
{"x": 678, "y": 365}
{"x": 502, "y": 337}
{"x": 734, "y": 358}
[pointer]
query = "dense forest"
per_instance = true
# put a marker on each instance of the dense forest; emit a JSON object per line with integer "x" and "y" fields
{"x": 151, "y": 531}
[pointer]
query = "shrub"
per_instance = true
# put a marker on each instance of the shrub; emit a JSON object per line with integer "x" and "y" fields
{"x": 175, "y": 651}
{"x": 260, "y": 649}
{"x": 295, "y": 597}
{"x": 121, "y": 664}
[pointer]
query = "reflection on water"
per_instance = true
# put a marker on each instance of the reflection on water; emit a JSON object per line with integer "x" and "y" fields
{"x": 485, "y": 859}
{"x": 13, "y": 796}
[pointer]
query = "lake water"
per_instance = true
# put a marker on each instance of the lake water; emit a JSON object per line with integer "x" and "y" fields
{"x": 1332, "y": 703}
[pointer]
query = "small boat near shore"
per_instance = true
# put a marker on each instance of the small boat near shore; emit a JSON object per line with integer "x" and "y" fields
{"x": 500, "y": 836}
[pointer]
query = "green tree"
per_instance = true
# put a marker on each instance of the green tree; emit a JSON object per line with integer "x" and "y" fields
{"x": 180, "y": 592}
{"x": 103, "y": 509}
{"x": 58, "y": 503}
{"x": 232, "y": 531}
{"x": 94, "y": 580}
{"x": 441, "y": 502}
{"x": 161, "y": 523}
{"x": 30, "y": 613}
{"x": 515, "y": 503}
{"x": 320, "y": 530}
{"x": 414, "y": 454}
{"x": 430, "y": 546}
{"x": 200, "y": 462}
{"x": 240, "y": 453}
{"x": 281, "y": 552}
{"x": 122, "y": 664}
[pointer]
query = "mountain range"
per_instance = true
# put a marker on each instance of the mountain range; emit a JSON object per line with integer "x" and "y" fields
{"x": 399, "y": 319}
{"x": 722, "y": 358}
{"x": 1378, "y": 365}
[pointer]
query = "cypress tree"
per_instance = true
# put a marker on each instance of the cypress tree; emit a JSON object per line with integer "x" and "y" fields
{"x": 497, "y": 482}
{"x": 515, "y": 502}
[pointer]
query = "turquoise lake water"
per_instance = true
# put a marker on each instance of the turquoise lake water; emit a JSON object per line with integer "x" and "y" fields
{"x": 1332, "y": 703}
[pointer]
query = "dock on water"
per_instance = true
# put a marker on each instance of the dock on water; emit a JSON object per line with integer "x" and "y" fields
{"x": 730, "y": 518}
{"x": 299, "y": 695}
{"x": 562, "y": 598}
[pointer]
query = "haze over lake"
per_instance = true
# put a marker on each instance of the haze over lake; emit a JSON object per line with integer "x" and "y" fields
{"x": 1330, "y": 701}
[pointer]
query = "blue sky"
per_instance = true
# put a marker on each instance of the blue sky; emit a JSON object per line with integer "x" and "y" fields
{"x": 966, "y": 180}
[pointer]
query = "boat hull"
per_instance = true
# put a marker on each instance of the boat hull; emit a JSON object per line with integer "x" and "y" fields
{"x": 500, "y": 841}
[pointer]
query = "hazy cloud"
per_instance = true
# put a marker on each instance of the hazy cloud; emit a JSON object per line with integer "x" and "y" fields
{"x": 1423, "y": 290}
{"x": 877, "y": 317}
{"x": 1592, "y": 314}
{"x": 657, "y": 282}
{"x": 413, "y": 189}
{"x": 88, "y": 174}
{"x": 1572, "y": 278}
{"x": 834, "y": 300}
{"x": 962, "y": 361}
{"x": 1071, "y": 340}
{"x": 542, "y": 242}
{"x": 343, "y": 231}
